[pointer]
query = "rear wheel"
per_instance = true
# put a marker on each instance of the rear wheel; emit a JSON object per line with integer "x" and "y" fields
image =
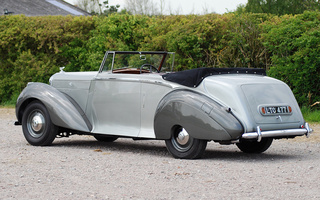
{"x": 37, "y": 126}
{"x": 182, "y": 145}
{"x": 249, "y": 146}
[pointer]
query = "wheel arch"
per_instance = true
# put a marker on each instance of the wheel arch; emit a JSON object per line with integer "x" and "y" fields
{"x": 201, "y": 116}
{"x": 23, "y": 106}
{"x": 63, "y": 110}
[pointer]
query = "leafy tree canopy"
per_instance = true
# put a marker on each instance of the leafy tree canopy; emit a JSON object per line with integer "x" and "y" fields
{"x": 281, "y": 7}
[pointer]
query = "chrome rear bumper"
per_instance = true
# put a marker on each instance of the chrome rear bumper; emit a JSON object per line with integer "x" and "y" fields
{"x": 306, "y": 130}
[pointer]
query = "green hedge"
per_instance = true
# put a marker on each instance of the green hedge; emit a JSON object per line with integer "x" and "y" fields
{"x": 33, "y": 48}
{"x": 294, "y": 46}
{"x": 30, "y": 48}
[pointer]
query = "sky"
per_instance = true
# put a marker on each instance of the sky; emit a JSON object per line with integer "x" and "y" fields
{"x": 190, "y": 6}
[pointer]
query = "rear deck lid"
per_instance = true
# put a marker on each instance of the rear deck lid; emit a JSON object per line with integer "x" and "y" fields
{"x": 272, "y": 103}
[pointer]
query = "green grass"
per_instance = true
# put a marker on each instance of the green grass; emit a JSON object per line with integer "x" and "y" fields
{"x": 8, "y": 104}
{"x": 310, "y": 115}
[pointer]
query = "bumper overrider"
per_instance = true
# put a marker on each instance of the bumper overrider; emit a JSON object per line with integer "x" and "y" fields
{"x": 258, "y": 135}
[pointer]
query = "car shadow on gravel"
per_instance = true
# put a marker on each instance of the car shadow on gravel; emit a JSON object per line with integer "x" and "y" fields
{"x": 117, "y": 146}
{"x": 158, "y": 148}
{"x": 248, "y": 157}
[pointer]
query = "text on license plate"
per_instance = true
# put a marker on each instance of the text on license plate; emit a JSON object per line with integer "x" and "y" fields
{"x": 275, "y": 110}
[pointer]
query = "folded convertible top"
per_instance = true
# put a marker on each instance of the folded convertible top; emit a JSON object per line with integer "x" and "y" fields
{"x": 193, "y": 77}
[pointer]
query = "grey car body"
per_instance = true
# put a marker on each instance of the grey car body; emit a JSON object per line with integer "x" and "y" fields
{"x": 131, "y": 96}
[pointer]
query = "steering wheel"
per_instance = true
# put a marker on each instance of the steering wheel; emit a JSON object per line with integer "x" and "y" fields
{"x": 151, "y": 66}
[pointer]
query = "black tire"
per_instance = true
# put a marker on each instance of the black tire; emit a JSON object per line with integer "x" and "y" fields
{"x": 182, "y": 145}
{"x": 37, "y": 126}
{"x": 104, "y": 138}
{"x": 248, "y": 146}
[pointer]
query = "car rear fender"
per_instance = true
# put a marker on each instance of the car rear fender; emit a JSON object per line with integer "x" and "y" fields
{"x": 64, "y": 111}
{"x": 201, "y": 117}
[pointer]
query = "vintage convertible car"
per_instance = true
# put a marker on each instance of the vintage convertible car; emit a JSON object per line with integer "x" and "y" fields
{"x": 133, "y": 95}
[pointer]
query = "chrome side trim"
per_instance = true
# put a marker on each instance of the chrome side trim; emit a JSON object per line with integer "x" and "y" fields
{"x": 117, "y": 79}
{"x": 278, "y": 133}
{"x": 155, "y": 82}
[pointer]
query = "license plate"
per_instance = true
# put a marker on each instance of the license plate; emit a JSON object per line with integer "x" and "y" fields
{"x": 275, "y": 110}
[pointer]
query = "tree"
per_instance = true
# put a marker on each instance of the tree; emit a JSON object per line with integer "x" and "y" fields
{"x": 95, "y": 7}
{"x": 110, "y": 9}
{"x": 91, "y": 6}
{"x": 281, "y": 7}
{"x": 143, "y": 7}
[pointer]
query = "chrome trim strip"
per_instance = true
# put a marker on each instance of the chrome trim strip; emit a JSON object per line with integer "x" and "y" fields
{"x": 277, "y": 133}
{"x": 118, "y": 79}
{"x": 155, "y": 82}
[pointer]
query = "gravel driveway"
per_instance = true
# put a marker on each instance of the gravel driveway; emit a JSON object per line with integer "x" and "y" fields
{"x": 79, "y": 167}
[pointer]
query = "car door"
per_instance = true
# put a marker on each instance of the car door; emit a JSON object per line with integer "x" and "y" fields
{"x": 115, "y": 104}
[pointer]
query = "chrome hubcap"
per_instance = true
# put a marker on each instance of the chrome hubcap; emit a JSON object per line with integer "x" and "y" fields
{"x": 36, "y": 124}
{"x": 183, "y": 137}
{"x": 181, "y": 140}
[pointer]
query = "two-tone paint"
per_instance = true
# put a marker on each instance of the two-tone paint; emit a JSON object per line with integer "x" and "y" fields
{"x": 221, "y": 108}
{"x": 185, "y": 109}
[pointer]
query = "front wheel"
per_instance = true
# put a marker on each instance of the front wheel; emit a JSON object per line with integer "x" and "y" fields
{"x": 37, "y": 126}
{"x": 248, "y": 146}
{"x": 182, "y": 145}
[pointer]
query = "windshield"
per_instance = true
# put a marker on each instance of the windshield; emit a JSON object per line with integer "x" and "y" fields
{"x": 138, "y": 62}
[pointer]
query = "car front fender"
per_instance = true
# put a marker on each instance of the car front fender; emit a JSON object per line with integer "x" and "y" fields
{"x": 64, "y": 111}
{"x": 202, "y": 117}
